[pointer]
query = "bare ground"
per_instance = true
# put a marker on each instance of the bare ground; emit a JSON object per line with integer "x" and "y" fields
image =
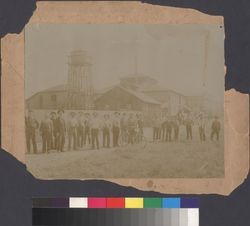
{"x": 184, "y": 159}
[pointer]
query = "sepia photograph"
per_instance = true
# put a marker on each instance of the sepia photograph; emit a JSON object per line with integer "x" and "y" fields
{"x": 124, "y": 100}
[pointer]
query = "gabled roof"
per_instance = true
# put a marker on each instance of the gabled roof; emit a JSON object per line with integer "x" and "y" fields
{"x": 58, "y": 88}
{"x": 104, "y": 90}
{"x": 62, "y": 87}
{"x": 159, "y": 88}
{"x": 141, "y": 96}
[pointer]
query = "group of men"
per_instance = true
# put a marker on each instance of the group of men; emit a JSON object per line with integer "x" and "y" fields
{"x": 167, "y": 128}
{"x": 82, "y": 129}
{"x": 86, "y": 129}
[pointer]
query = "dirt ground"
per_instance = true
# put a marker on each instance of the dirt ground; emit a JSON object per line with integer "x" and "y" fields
{"x": 182, "y": 159}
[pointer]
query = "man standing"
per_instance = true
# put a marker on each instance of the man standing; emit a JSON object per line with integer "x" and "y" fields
{"x": 202, "y": 126}
{"x": 168, "y": 128}
{"x": 87, "y": 129}
{"x": 163, "y": 127}
{"x": 116, "y": 129}
{"x": 53, "y": 139}
{"x": 131, "y": 129}
{"x": 106, "y": 131}
{"x": 31, "y": 125}
{"x": 124, "y": 129}
{"x": 80, "y": 130}
{"x": 60, "y": 130}
{"x": 156, "y": 127}
{"x": 215, "y": 128}
{"x": 72, "y": 127}
{"x": 189, "y": 123}
{"x": 95, "y": 126}
{"x": 46, "y": 133}
{"x": 175, "y": 125}
{"x": 140, "y": 127}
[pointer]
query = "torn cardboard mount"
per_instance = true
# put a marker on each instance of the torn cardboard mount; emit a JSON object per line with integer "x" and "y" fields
{"x": 236, "y": 108}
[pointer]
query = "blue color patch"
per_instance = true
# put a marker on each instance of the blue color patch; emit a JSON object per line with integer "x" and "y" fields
{"x": 171, "y": 202}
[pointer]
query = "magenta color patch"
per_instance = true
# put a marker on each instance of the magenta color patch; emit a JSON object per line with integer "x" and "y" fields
{"x": 96, "y": 202}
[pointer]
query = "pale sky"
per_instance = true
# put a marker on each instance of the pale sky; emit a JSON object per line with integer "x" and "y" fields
{"x": 180, "y": 57}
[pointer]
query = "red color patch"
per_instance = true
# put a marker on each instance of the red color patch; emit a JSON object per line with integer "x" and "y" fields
{"x": 115, "y": 202}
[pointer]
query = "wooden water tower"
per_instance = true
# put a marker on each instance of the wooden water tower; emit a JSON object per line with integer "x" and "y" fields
{"x": 80, "y": 84}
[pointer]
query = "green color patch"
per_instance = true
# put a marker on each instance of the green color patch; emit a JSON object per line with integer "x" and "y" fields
{"x": 152, "y": 203}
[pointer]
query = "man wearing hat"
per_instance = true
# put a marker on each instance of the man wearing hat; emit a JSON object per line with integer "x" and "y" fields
{"x": 189, "y": 125}
{"x": 116, "y": 128}
{"x": 156, "y": 127}
{"x": 132, "y": 125}
{"x": 95, "y": 127}
{"x": 46, "y": 133}
{"x": 53, "y": 139}
{"x": 124, "y": 128}
{"x": 215, "y": 128}
{"x": 87, "y": 129}
{"x": 31, "y": 125}
{"x": 175, "y": 125}
{"x": 60, "y": 130}
{"x": 72, "y": 130}
{"x": 202, "y": 125}
{"x": 80, "y": 129}
{"x": 139, "y": 122}
{"x": 106, "y": 128}
{"x": 169, "y": 125}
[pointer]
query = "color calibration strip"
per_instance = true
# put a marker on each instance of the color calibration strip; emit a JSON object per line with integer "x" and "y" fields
{"x": 80, "y": 211}
{"x": 99, "y": 202}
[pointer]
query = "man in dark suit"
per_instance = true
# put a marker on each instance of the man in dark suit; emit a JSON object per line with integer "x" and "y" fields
{"x": 106, "y": 128}
{"x": 60, "y": 130}
{"x": 116, "y": 129}
{"x": 31, "y": 125}
{"x": 95, "y": 127}
{"x": 46, "y": 133}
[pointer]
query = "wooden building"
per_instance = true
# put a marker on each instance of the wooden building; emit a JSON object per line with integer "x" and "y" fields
{"x": 120, "y": 98}
{"x": 52, "y": 98}
{"x": 138, "y": 93}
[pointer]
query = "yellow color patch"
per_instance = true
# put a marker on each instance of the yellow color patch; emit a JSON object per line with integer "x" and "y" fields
{"x": 133, "y": 202}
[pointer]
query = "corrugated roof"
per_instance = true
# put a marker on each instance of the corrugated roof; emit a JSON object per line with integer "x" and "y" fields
{"x": 143, "y": 97}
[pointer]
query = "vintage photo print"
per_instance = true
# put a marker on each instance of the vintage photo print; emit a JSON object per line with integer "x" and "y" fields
{"x": 124, "y": 100}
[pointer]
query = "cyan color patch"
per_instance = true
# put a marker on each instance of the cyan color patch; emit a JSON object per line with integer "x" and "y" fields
{"x": 171, "y": 202}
